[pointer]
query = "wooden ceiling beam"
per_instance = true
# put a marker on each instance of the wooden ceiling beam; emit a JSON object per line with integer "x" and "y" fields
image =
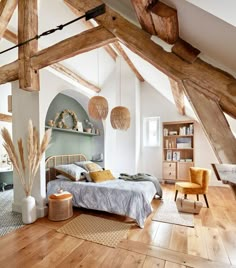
{"x": 27, "y": 28}
{"x": 165, "y": 21}
{"x": 70, "y": 47}
{"x": 13, "y": 38}
{"x": 208, "y": 77}
{"x": 213, "y": 122}
{"x": 67, "y": 72}
{"x": 128, "y": 61}
{"x": 7, "y": 8}
{"x": 5, "y": 118}
{"x": 178, "y": 95}
{"x": 144, "y": 16}
{"x": 10, "y": 36}
{"x": 90, "y": 25}
{"x": 185, "y": 51}
{"x": 75, "y": 45}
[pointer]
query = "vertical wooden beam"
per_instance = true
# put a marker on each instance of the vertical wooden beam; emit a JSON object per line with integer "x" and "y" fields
{"x": 178, "y": 95}
{"x": 144, "y": 16}
{"x": 165, "y": 21}
{"x": 27, "y": 28}
{"x": 128, "y": 61}
{"x": 213, "y": 121}
{"x": 7, "y": 8}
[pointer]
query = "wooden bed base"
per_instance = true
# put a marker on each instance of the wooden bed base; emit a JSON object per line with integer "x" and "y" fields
{"x": 55, "y": 160}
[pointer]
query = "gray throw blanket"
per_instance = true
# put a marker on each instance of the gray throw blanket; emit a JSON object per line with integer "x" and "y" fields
{"x": 143, "y": 177}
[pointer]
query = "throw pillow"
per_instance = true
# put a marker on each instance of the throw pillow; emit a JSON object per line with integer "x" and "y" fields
{"x": 71, "y": 171}
{"x": 102, "y": 175}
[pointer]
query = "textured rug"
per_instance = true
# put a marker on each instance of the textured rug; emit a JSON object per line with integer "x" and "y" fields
{"x": 95, "y": 229}
{"x": 167, "y": 212}
{"x": 9, "y": 220}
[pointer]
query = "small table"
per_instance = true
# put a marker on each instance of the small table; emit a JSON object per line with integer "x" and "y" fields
{"x": 60, "y": 206}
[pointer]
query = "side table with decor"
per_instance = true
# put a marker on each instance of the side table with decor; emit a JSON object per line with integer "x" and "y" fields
{"x": 60, "y": 206}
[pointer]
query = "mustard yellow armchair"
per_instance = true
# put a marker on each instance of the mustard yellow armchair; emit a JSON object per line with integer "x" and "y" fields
{"x": 199, "y": 180}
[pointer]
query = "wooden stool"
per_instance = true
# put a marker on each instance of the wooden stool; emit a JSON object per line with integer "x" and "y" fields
{"x": 60, "y": 206}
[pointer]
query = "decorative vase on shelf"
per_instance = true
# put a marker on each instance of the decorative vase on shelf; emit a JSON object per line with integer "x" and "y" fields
{"x": 28, "y": 210}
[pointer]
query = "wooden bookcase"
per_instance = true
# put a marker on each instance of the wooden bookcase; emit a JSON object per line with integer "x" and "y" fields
{"x": 178, "y": 150}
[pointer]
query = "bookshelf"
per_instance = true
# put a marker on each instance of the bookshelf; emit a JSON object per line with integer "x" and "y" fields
{"x": 178, "y": 150}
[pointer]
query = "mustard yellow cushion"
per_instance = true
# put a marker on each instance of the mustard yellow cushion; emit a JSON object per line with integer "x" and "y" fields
{"x": 100, "y": 176}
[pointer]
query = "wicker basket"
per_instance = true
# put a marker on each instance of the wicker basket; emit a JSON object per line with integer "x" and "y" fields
{"x": 60, "y": 207}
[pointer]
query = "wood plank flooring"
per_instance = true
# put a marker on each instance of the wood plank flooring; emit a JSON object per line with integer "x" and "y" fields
{"x": 211, "y": 244}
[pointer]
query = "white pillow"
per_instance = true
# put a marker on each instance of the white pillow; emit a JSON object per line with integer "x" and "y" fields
{"x": 71, "y": 171}
{"x": 88, "y": 166}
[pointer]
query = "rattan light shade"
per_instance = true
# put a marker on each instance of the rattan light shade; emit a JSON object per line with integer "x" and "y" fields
{"x": 120, "y": 118}
{"x": 98, "y": 107}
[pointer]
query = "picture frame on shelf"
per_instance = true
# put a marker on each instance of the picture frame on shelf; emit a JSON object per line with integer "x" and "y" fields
{"x": 79, "y": 126}
{"x": 168, "y": 155}
{"x": 176, "y": 156}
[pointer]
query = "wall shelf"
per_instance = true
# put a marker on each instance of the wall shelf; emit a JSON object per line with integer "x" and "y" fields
{"x": 71, "y": 131}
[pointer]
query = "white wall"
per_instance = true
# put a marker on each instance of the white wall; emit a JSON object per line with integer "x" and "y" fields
{"x": 120, "y": 146}
{"x": 154, "y": 104}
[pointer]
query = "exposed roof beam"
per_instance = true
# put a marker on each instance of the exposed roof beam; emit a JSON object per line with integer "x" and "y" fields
{"x": 165, "y": 21}
{"x": 75, "y": 45}
{"x": 185, "y": 51}
{"x": 128, "y": 61}
{"x": 7, "y": 8}
{"x": 67, "y": 72}
{"x": 208, "y": 77}
{"x": 13, "y": 38}
{"x": 90, "y": 25}
{"x": 27, "y": 27}
{"x": 83, "y": 42}
{"x": 5, "y": 118}
{"x": 178, "y": 95}
{"x": 144, "y": 16}
{"x": 212, "y": 118}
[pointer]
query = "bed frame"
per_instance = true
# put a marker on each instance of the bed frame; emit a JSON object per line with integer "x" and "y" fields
{"x": 55, "y": 160}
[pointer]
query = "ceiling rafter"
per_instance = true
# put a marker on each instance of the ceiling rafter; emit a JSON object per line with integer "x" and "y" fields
{"x": 72, "y": 46}
{"x": 223, "y": 140}
{"x": 128, "y": 61}
{"x": 5, "y": 117}
{"x": 7, "y": 8}
{"x": 178, "y": 95}
{"x": 13, "y": 38}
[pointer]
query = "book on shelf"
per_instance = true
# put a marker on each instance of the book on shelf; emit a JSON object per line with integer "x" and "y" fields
{"x": 188, "y": 160}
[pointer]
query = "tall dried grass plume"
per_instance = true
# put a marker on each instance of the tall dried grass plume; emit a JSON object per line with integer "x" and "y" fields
{"x": 27, "y": 161}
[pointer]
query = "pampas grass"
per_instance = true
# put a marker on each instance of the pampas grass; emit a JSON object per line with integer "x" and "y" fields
{"x": 27, "y": 166}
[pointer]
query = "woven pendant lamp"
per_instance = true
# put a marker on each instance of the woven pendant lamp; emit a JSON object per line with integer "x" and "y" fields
{"x": 98, "y": 107}
{"x": 120, "y": 118}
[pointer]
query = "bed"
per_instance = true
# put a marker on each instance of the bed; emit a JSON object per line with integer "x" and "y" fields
{"x": 127, "y": 198}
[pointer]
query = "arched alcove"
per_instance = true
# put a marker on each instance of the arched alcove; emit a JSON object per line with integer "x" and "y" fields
{"x": 66, "y": 140}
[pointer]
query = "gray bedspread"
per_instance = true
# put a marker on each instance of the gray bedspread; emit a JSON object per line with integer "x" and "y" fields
{"x": 132, "y": 199}
{"x": 143, "y": 177}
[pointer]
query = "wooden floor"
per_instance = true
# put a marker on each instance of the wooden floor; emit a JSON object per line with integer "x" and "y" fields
{"x": 212, "y": 243}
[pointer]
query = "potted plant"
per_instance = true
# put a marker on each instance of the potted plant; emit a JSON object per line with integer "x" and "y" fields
{"x": 26, "y": 163}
